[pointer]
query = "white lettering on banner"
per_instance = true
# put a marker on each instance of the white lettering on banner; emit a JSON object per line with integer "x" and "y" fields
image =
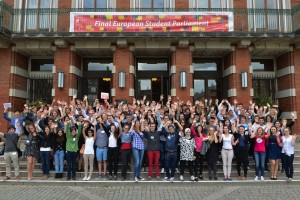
{"x": 185, "y": 23}
{"x": 150, "y": 23}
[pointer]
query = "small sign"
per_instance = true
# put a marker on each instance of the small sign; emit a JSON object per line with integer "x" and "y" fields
{"x": 7, "y": 105}
{"x": 104, "y": 95}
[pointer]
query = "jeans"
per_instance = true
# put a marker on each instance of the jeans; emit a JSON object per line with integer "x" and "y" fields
{"x": 198, "y": 164}
{"x": 138, "y": 158}
{"x": 288, "y": 165}
{"x": 171, "y": 161}
{"x": 45, "y": 159}
{"x": 153, "y": 156}
{"x": 227, "y": 156}
{"x": 125, "y": 157}
{"x": 260, "y": 162}
{"x": 242, "y": 158}
{"x": 59, "y": 161}
{"x": 162, "y": 154}
{"x": 113, "y": 157}
{"x": 8, "y": 157}
{"x": 71, "y": 160}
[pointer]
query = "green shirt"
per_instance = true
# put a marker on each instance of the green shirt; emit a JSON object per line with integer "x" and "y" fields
{"x": 72, "y": 142}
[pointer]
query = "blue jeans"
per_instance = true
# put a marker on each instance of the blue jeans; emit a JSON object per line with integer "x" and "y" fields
{"x": 260, "y": 162}
{"x": 171, "y": 161}
{"x": 59, "y": 161}
{"x": 138, "y": 159}
{"x": 71, "y": 160}
{"x": 45, "y": 159}
{"x": 288, "y": 165}
{"x": 162, "y": 154}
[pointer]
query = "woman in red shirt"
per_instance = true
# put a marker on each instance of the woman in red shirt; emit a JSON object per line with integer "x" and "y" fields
{"x": 259, "y": 152}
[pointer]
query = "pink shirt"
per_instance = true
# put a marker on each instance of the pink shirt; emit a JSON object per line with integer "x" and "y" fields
{"x": 260, "y": 144}
{"x": 198, "y": 140}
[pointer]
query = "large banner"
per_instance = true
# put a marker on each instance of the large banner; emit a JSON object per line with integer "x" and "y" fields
{"x": 151, "y": 22}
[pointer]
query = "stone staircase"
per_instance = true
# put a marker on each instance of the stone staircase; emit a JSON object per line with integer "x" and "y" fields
{"x": 251, "y": 172}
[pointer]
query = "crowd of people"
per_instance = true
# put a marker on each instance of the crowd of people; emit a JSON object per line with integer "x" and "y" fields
{"x": 167, "y": 135}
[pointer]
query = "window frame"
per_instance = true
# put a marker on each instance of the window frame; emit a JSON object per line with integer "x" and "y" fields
{"x": 138, "y": 8}
{"x": 224, "y": 4}
{"x": 80, "y": 4}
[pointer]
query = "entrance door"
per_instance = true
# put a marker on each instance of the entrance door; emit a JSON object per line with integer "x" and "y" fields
{"x": 152, "y": 79}
{"x": 96, "y": 86}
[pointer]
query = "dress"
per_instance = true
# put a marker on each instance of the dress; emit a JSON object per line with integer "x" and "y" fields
{"x": 33, "y": 149}
{"x": 274, "y": 148}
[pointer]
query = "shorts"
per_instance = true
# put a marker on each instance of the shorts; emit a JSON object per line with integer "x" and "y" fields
{"x": 101, "y": 154}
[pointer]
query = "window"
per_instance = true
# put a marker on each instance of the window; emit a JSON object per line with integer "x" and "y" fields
{"x": 263, "y": 79}
{"x": 153, "y": 67}
{"x": 269, "y": 15}
{"x": 94, "y": 4}
{"x": 96, "y": 66}
{"x": 45, "y": 65}
{"x": 205, "y": 88}
{"x": 144, "y": 5}
{"x": 211, "y": 4}
{"x": 207, "y": 64}
{"x": 39, "y": 15}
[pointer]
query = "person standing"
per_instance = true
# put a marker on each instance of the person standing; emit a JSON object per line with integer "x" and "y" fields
{"x": 187, "y": 149}
{"x": 212, "y": 153}
{"x": 126, "y": 148}
{"x": 59, "y": 149}
{"x": 11, "y": 152}
{"x": 88, "y": 154}
{"x": 274, "y": 151}
{"x": 72, "y": 148}
{"x": 288, "y": 149}
{"x": 46, "y": 143}
{"x": 227, "y": 152}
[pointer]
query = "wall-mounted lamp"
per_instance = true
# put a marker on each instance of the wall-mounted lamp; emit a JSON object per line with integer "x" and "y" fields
{"x": 183, "y": 79}
{"x": 60, "y": 80}
{"x": 244, "y": 79}
{"x": 122, "y": 77}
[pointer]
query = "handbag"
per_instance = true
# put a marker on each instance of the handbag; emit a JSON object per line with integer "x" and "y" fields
{"x": 82, "y": 149}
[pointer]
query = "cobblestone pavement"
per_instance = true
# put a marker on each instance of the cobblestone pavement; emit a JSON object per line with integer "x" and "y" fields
{"x": 159, "y": 192}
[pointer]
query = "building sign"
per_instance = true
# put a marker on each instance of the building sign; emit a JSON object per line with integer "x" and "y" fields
{"x": 151, "y": 22}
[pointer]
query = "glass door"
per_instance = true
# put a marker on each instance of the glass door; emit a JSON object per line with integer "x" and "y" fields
{"x": 205, "y": 89}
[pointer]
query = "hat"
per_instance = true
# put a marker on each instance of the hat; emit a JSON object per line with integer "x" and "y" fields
{"x": 12, "y": 126}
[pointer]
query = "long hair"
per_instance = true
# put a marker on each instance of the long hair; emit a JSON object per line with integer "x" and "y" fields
{"x": 137, "y": 129}
{"x": 196, "y": 130}
{"x": 60, "y": 139}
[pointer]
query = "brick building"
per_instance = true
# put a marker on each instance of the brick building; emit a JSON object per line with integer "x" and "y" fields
{"x": 263, "y": 48}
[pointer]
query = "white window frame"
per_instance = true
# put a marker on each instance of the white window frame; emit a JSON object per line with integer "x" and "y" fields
{"x": 135, "y": 7}
{"x": 80, "y": 4}
{"x": 225, "y": 4}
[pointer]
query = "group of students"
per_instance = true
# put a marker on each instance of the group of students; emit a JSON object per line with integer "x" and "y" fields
{"x": 167, "y": 134}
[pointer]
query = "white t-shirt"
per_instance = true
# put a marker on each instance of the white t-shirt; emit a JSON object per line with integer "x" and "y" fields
{"x": 287, "y": 148}
{"x": 112, "y": 141}
{"x": 227, "y": 141}
{"x": 89, "y": 146}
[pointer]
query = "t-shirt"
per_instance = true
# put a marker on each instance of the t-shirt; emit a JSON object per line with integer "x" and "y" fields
{"x": 11, "y": 141}
{"x": 260, "y": 144}
{"x": 89, "y": 146}
{"x": 227, "y": 141}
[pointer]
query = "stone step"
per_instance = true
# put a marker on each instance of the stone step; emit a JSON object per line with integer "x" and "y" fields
{"x": 130, "y": 174}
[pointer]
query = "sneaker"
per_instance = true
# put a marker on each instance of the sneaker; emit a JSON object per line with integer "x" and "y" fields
{"x": 136, "y": 179}
{"x": 141, "y": 178}
{"x": 158, "y": 178}
{"x": 210, "y": 178}
{"x": 181, "y": 178}
{"x": 172, "y": 179}
{"x": 225, "y": 179}
{"x": 262, "y": 178}
{"x": 166, "y": 179}
{"x": 74, "y": 178}
{"x": 215, "y": 178}
{"x": 68, "y": 179}
{"x": 192, "y": 178}
{"x": 229, "y": 179}
{"x": 162, "y": 170}
{"x": 149, "y": 178}
{"x": 6, "y": 178}
{"x": 46, "y": 177}
{"x": 256, "y": 178}
{"x": 115, "y": 177}
{"x": 196, "y": 179}
{"x": 200, "y": 177}
{"x": 110, "y": 177}
{"x": 290, "y": 179}
{"x": 84, "y": 179}
{"x": 88, "y": 178}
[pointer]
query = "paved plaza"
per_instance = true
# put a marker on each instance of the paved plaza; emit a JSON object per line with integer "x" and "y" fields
{"x": 153, "y": 191}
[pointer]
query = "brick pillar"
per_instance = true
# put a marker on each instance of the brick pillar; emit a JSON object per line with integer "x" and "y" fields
{"x": 296, "y": 60}
{"x": 67, "y": 61}
{"x": 123, "y": 59}
{"x": 286, "y": 82}
{"x": 181, "y": 61}
{"x": 14, "y": 72}
{"x": 236, "y": 62}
